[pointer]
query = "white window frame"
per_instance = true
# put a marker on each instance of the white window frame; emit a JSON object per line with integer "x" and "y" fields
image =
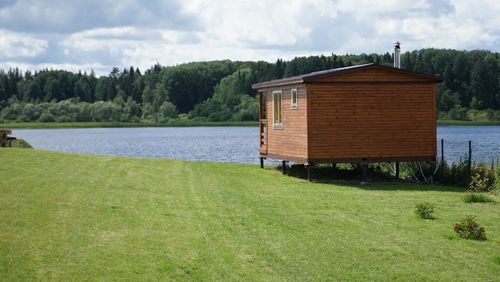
{"x": 278, "y": 125}
{"x": 295, "y": 105}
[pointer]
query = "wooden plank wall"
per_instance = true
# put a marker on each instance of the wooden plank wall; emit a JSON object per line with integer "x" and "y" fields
{"x": 372, "y": 75}
{"x": 371, "y": 120}
{"x": 291, "y": 140}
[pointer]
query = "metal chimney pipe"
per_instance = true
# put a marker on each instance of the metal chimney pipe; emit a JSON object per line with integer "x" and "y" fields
{"x": 397, "y": 55}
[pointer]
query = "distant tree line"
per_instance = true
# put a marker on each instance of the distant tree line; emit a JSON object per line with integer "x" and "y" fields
{"x": 221, "y": 90}
{"x": 471, "y": 87}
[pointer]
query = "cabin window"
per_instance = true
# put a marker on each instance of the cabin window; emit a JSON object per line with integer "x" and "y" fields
{"x": 277, "y": 121}
{"x": 294, "y": 98}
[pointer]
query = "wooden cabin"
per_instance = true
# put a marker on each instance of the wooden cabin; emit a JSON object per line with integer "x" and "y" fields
{"x": 358, "y": 114}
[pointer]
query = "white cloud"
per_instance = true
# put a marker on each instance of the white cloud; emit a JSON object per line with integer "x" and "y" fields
{"x": 258, "y": 23}
{"x": 419, "y": 24}
{"x": 445, "y": 32}
{"x": 63, "y": 16}
{"x": 145, "y": 47}
{"x": 176, "y": 54}
{"x": 13, "y": 44}
{"x": 96, "y": 67}
{"x": 111, "y": 39}
{"x": 132, "y": 32}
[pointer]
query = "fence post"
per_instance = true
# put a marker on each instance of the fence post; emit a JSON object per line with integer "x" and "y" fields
{"x": 442, "y": 159}
{"x": 469, "y": 161}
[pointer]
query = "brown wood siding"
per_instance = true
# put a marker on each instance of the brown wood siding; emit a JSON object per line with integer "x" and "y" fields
{"x": 371, "y": 120}
{"x": 290, "y": 142}
{"x": 371, "y": 75}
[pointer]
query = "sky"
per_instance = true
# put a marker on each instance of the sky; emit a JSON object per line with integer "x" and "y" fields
{"x": 100, "y": 34}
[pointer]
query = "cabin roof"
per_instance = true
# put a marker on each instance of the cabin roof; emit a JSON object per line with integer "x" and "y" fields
{"x": 332, "y": 72}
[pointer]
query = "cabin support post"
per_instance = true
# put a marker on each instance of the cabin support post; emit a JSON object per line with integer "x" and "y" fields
{"x": 364, "y": 171}
{"x": 261, "y": 162}
{"x": 397, "y": 169}
{"x": 334, "y": 168}
{"x": 283, "y": 167}
{"x": 433, "y": 168}
{"x": 308, "y": 167}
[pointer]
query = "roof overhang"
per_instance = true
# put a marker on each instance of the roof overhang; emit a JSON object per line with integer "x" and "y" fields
{"x": 314, "y": 76}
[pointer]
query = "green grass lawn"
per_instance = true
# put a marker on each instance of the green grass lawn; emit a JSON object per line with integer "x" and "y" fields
{"x": 76, "y": 217}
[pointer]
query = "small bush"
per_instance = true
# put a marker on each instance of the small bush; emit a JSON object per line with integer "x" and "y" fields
{"x": 456, "y": 174}
{"x": 46, "y": 117}
{"x": 483, "y": 179}
{"x": 477, "y": 198}
{"x": 496, "y": 189}
{"x": 478, "y": 183}
{"x": 20, "y": 143}
{"x": 469, "y": 229}
{"x": 424, "y": 210}
{"x": 497, "y": 260}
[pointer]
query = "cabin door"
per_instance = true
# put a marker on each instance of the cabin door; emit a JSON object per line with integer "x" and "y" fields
{"x": 263, "y": 123}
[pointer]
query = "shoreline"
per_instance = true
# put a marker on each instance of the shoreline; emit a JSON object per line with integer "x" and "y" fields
{"x": 467, "y": 123}
{"x": 189, "y": 123}
{"x": 177, "y": 123}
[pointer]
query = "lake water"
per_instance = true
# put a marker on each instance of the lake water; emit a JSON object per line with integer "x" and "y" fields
{"x": 220, "y": 144}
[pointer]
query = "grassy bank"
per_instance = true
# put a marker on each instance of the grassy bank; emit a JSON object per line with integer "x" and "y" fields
{"x": 173, "y": 123}
{"x": 77, "y": 217}
{"x": 467, "y": 122}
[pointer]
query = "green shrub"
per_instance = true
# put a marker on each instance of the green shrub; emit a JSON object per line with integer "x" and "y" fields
{"x": 46, "y": 117}
{"x": 483, "y": 179}
{"x": 20, "y": 143}
{"x": 456, "y": 174}
{"x": 411, "y": 170}
{"x": 497, "y": 260}
{"x": 469, "y": 229}
{"x": 458, "y": 113}
{"x": 496, "y": 189}
{"x": 479, "y": 183}
{"x": 477, "y": 198}
{"x": 424, "y": 210}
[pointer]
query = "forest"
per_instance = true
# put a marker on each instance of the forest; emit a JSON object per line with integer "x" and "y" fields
{"x": 221, "y": 90}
